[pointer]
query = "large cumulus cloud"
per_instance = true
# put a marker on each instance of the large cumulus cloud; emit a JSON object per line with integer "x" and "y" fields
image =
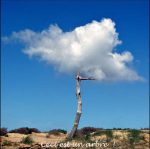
{"x": 90, "y": 49}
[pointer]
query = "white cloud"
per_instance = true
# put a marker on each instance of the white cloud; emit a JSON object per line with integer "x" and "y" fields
{"x": 89, "y": 49}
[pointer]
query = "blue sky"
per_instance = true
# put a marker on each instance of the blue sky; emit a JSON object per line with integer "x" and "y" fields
{"x": 34, "y": 94}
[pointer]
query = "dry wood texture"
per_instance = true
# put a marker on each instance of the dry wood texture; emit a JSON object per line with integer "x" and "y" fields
{"x": 79, "y": 105}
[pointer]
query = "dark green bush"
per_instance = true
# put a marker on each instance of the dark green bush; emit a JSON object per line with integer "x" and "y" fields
{"x": 57, "y": 131}
{"x": 7, "y": 143}
{"x": 62, "y": 131}
{"x": 87, "y": 137}
{"x": 27, "y": 140}
{"x": 109, "y": 133}
{"x": 134, "y": 135}
{"x": 145, "y": 128}
{"x": 121, "y": 129}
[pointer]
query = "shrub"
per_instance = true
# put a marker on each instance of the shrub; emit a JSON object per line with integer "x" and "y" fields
{"x": 56, "y": 132}
{"x": 109, "y": 134}
{"x": 84, "y": 134}
{"x": 117, "y": 128}
{"x": 25, "y": 130}
{"x": 79, "y": 136}
{"x": 114, "y": 128}
{"x": 134, "y": 135}
{"x": 27, "y": 140}
{"x": 3, "y": 131}
{"x": 127, "y": 129}
{"x": 145, "y": 128}
{"x": 62, "y": 131}
{"x": 121, "y": 128}
{"x": 88, "y": 130}
{"x": 6, "y": 143}
{"x": 87, "y": 137}
{"x": 33, "y": 130}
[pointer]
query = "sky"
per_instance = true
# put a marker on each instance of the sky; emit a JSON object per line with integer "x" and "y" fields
{"x": 103, "y": 39}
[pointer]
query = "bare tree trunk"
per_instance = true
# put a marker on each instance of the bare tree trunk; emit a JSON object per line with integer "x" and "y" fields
{"x": 79, "y": 108}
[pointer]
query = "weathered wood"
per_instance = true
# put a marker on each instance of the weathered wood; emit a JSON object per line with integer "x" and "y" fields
{"x": 79, "y": 105}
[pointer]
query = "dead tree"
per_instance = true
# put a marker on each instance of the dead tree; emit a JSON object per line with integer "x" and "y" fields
{"x": 79, "y": 105}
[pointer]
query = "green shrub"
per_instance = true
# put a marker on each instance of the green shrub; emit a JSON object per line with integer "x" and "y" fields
{"x": 27, "y": 140}
{"x": 6, "y": 143}
{"x": 109, "y": 134}
{"x": 57, "y": 132}
{"x": 54, "y": 132}
{"x": 62, "y": 131}
{"x": 87, "y": 137}
{"x": 117, "y": 128}
{"x": 134, "y": 135}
